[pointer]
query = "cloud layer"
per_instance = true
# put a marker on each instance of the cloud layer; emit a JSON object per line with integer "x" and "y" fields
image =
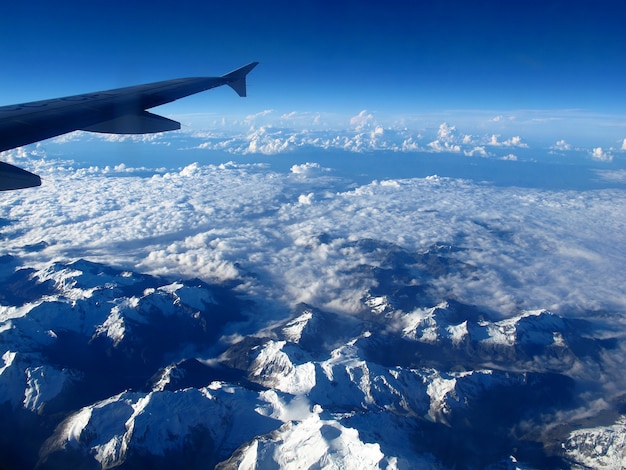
{"x": 526, "y": 134}
{"x": 289, "y": 236}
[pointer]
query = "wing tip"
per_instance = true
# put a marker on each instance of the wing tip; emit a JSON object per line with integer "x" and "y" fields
{"x": 237, "y": 78}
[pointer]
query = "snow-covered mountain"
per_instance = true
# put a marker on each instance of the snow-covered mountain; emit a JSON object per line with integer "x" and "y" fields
{"x": 103, "y": 367}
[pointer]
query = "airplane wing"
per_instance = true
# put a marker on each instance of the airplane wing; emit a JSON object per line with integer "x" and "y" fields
{"x": 117, "y": 111}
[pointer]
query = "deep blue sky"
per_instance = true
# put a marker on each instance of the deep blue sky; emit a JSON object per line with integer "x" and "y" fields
{"x": 389, "y": 56}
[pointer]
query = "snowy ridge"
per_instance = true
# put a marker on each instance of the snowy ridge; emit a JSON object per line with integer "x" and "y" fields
{"x": 379, "y": 389}
{"x": 599, "y": 447}
{"x": 309, "y": 443}
{"x": 115, "y": 430}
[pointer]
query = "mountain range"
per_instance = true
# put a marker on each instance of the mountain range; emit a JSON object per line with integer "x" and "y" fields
{"x": 104, "y": 367}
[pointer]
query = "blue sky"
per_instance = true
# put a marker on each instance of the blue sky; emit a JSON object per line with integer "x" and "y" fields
{"x": 549, "y": 73}
{"x": 389, "y": 56}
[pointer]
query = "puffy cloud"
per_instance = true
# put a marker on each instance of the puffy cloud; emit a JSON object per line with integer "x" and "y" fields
{"x": 438, "y": 146}
{"x": 445, "y": 139}
{"x": 562, "y": 146}
{"x": 515, "y": 141}
{"x": 15, "y": 156}
{"x": 445, "y": 132}
{"x": 272, "y": 132}
{"x": 305, "y": 198}
{"x": 410, "y": 145}
{"x": 599, "y": 153}
{"x": 307, "y": 169}
{"x": 292, "y": 239}
{"x": 361, "y": 120}
{"x": 624, "y": 145}
{"x": 264, "y": 141}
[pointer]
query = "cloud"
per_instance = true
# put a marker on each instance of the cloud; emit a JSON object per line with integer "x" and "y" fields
{"x": 477, "y": 151}
{"x": 303, "y": 119}
{"x": 263, "y": 140}
{"x": 445, "y": 139}
{"x": 251, "y": 119}
{"x": 15, "y": 156}
{"x": 308, "y": 168}
{"x": 515, "y": 141}
{"x": 561, "y": 145}
{"x": 291, "y": 239}
{"x": 623, "y": 145}
{"x": 616, "y": 176}
{"x": 361, "y": 120}
{"x": 438, "y": 146}
{"x": 445, "y": 132}
{"x": 271, "y": 133}
{"x": 305, "y": 198}
{"x": 599, "y": 154}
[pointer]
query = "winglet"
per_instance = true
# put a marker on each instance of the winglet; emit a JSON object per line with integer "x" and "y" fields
{"x": 237, "y": 78}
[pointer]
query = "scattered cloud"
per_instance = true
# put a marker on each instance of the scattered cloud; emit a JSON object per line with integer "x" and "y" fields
{"x": 252, "y": 119}
{"x": 270, "y": 132}
{"x": 305, "y": 198}
{"x": 599, "y": 153}
{"x": 446, "y": 139}
{"x": 438, "y": 146}
{"x": 445, "y": 132}
{"x": 263, "y": 140}
{"x": 616, "y": 176}
{"x": 623, "y": 145}
{"x": 512, "y": 142}
{"x": 478, "y": 151}
{"x": 308, "y": 168}
{"x": 361, "y": 120}
{"x": 561, "y": 145}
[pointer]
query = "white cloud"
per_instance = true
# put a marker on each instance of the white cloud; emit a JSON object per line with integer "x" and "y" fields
{"x": 410, "y": 145}
{"x": 623, "y": 145}
{"x": 515, "y": 141}
{"x": 445, "y": 132}
{"x": 530, "y": 248}
{"x": 13, "y": 156}
{"x": 600, "y": 154}
{"x": 477, "y": 151}
{"x": 308, "y": 168}
{"x": 303, "y": 119}
{"x": 305, "y": 199}
{"x": 263, "y": 140}
{"x": 438, "y": 146}
{"x": 562, "y": 146}
{"x": 445, "y": 139}
{"x": 251, "y": 119}
{"x": 617, "y": 176}
{"x": 361, "y": 120}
